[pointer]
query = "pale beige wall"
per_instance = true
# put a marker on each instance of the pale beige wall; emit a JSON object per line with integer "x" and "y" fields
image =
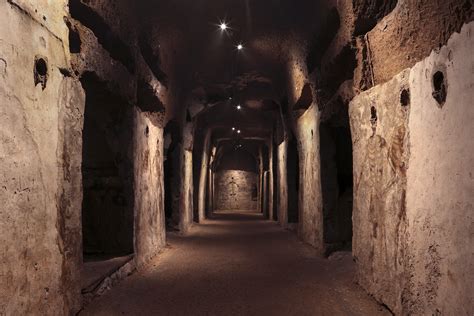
{"x": 40, "y": 148}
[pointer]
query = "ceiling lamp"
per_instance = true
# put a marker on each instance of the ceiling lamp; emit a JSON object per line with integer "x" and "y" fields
{"x": 239, "y": 107}
{"x": 240, "y": 47}
{"x": 223, "y": 26}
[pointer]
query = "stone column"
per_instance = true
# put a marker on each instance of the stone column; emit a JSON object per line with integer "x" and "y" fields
{"x": 310, "y": 226}
{"x": 210, "y": 192}
{"x": 265, "y": 193}
{"x": 186, "y": 170}
{"x": 149, "y": 192}
{"x": 203, "y": 177}
{"x": 282, "y": 183}
{"x": 260, "y": 181}
{"x": 270, "y": 180}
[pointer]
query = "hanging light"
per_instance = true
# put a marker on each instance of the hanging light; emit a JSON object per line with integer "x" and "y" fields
{"x": 240, "y": 47}
{"x": 223, "y": 26}
{"x": 239, "y": 107}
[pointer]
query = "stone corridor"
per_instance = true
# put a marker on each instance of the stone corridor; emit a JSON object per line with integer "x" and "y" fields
{"x": 238, "y": 263}
{"x": 134, "y": 132}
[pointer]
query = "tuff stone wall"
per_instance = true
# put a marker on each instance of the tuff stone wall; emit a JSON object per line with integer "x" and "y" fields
{"x": 40, "y": 128}
{"x": 381, "y": 154}
{"x": 412, "y": 192}
{"x": 282, "y": 178}
{"x": 186, "y": 175}
{"x": 236, "y": 190}
{"x": 310, "y": 224}
{"x": 150, "y": 235}
{"x": 305, "y": 120}
{"x": 271, "y": 189}
{"x": 440, "y": 203}
{"x": 203, "y": 173}
{"x": 407, "y": 35}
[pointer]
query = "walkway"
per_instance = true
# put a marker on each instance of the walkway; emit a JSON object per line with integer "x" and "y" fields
{"x": 239, "y": 264}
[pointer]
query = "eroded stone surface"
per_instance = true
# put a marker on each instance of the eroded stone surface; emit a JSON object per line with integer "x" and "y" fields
{"x": 410, "y": 207}
{"x": 39, "y": 166}
{"x": 381, "y": 154}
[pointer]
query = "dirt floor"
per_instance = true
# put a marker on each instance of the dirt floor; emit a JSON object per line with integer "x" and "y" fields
{"x": 239, "y": 264}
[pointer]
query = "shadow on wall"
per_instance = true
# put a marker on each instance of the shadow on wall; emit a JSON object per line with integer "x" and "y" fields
{"x": 171, "y": 169}
{"x": 336, "y": 185}
{"x": 107, "y": 207}
{"x": 293, "y": 180}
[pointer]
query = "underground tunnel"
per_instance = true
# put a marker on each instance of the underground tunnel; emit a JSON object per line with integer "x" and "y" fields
{"x": 236, "y": 157}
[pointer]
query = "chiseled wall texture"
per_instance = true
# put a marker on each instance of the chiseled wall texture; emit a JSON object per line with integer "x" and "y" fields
{"x": 186, "y": 174}
{"x": 310, "y": 205}
{"x": 440, "y": 185}
{"x": 236, "y": 190}
{"x": 413, "y": 202}
{"x": 410, "y": 32}
{"x": 150, "y": 235}
{"x": 379, "y": 132}
{"x": 40, "y": 152}
{"x": 282, "y": 177}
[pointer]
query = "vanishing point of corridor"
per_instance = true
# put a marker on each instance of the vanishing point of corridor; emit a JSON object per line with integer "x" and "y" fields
{"x": 238, "y": 263}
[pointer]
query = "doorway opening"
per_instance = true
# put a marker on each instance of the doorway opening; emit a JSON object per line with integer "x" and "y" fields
{"x": 171, "y": 166}
{"x": 336, "y": 185}
{"x": 107, "y": 173}
{"x": 293, "y": 180}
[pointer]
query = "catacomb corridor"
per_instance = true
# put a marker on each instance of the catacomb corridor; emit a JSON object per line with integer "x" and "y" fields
{"x": 236, "y": 157}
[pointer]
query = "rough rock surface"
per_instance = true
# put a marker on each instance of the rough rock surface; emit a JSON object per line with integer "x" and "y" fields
{"x": 236, "y": 190}
{"x": 405, "y": 159}
{"x": 39, "y": 163}
{"x": 149, "y": 190}
{"x": 310, "y": 226}
{"x": 380, "y": 146}
{"x": 440, "y": 203}
{"x": 410, "y": 32}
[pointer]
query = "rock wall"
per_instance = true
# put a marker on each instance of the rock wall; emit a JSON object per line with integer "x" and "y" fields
{"x": 150, "y": 235}
{"x": 203, "y": 173}
{"x": 40, "y": 120}
{"x": 282, "y": 179}
{"x": 409, "y": 33}
{"x": 186, "y": 175}
{"x": 413, "y": 226}
{"x": 380, "y": 146}
{"x": 106, "y": 45}
{"x": 270, "y": 182}
{"x": 310, "y": 225}
{"x": 236, "y": 190}
{"x": 440, "y": 186}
